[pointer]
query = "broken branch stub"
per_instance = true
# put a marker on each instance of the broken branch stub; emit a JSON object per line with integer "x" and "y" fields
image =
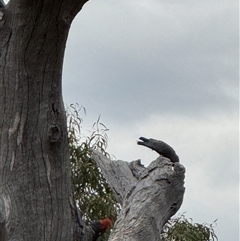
{"x": 149, "y": 195}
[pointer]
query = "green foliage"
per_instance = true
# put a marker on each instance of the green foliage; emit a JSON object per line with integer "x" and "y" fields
{"x": 181, "y": 229}
{"x": 92, "y": 193}
{"x": 94, "y": 196}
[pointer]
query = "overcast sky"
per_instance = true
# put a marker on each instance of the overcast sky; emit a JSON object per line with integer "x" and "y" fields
{"x": 168, "y": 70}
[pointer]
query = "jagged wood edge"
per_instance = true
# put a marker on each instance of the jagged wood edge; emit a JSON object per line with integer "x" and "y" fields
{"x": 149, "y": 196}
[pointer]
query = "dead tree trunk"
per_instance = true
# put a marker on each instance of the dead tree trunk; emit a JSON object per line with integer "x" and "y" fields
{"x": 35, "y": 188}
{"x": 149, "y": 196}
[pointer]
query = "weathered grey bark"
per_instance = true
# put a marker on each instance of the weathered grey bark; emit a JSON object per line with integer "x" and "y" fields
{"x": 149, "y": 196}
{"x": 35, "y": 188}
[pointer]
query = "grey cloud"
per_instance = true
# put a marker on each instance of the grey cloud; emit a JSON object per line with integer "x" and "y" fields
{"x": 144, "y": 64}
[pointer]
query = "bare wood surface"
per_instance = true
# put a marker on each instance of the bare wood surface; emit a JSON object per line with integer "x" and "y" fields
{"x": 149, "y": 195}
